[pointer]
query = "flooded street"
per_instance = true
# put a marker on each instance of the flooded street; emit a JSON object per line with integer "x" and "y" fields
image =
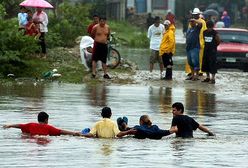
{"x": 221, "y": 107}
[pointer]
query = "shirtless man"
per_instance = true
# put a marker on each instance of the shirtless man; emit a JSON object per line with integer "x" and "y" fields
{"x": 100, "y": 33}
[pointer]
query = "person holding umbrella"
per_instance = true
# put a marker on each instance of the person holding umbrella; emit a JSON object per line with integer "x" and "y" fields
{"x": 40, "y": 18}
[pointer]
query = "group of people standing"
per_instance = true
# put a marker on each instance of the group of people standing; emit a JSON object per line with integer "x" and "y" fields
{"x": 182, "y": 125}
{"x": 201, "y": 46}
{"x": 162, "y": 45}
{"x": 34, "y": 25}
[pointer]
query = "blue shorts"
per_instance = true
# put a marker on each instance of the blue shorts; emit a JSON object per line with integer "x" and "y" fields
{"x": 193, "y": 58}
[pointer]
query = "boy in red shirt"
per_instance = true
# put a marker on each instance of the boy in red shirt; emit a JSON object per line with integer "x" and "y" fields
{"x": 41, "y": 128}
{"x": 31, "y": 28}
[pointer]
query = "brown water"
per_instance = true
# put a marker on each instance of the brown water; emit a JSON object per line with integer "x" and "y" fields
{"x": 74, "y": 107}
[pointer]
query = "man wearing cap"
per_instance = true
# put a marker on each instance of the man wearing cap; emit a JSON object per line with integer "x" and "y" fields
{"x": 155, "y": 33}
{"x": 106, "y": 128}
{"x": 196, "y": 15}
{"x": 167, "y": 48}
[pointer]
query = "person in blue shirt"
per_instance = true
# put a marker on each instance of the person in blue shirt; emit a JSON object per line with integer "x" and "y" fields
{"x": 145, "y": 130}
{"x": 226, "y": 19}
{"x": 193, "y": 48}
{"x": 22, "y": 18}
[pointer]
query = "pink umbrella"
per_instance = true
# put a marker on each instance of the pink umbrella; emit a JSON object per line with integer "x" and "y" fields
{"x": 36, "y": 4}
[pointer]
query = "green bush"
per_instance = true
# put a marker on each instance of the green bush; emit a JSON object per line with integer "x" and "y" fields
{"x": 129, "y": 35}
{"x": 139, "y": 40}
{"x": 69, "y": 22}
{"x": 14, "y": 47}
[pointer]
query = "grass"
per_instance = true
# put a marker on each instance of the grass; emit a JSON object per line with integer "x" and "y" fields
{"x": 129, "y": 35}
{"x": 69, "y": 64}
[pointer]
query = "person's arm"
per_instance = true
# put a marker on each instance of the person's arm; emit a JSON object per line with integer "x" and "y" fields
{"x": 45, "y": 20}
{"x": 89, "y": 135}
{"x": 65, "y": 132}
{"x": 199, "y": 23}
{"x": 173, "y": 129}
{"x": 205, "y": 129}
{"x": 128, "y": 132}
{"x": 171, "y": 42}
{"x": 217, "y": 39}
{"x": 89, "y": 29}
{"x": 30, "y": 26}
{"x": 108, "y": 37}
{"x": 12, "y": 126}
{"x": 93, "y": 32}
{"x": 149, "y": 33}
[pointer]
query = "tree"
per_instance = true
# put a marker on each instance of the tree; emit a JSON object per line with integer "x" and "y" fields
{"x": 99, "y": 8}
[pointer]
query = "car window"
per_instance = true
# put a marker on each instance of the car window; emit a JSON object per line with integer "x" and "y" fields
{"x": 235, "y": 37}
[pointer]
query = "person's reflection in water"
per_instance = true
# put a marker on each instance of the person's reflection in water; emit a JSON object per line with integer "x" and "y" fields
{"x": 98, "y": 95}
{"x": 199, "y": 102}
{"x": 40, "y": 140}
{"x": 163, "y": 96}
{"x": 165, "y": 99}
{"x": 180, "y": 147}
{"x": 106, "y": 149}
{"x": 32, "y": 94}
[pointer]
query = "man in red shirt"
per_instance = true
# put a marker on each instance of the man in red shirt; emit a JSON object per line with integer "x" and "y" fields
{"x": 171, "y": 17}
{"x": 41, "y": 128}
{"x": 95, "y": 21}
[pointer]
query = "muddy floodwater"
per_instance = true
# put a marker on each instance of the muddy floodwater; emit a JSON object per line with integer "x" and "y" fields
{"x": 221, "y": 107}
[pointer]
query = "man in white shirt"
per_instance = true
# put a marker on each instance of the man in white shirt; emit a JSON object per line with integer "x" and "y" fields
{"x": 155, "y": 34}
{"x": 40, "y": 17}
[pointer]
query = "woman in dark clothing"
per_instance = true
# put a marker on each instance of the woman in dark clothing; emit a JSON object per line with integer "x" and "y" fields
{"x": 212, "y": 40}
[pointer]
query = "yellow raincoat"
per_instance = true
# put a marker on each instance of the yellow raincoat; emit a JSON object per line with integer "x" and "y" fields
{"x": 168, "y": 43}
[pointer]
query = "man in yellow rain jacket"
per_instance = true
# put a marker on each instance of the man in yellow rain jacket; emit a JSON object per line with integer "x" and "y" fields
{"x": 196, "y": 15}
{"x": 167, "y": 48}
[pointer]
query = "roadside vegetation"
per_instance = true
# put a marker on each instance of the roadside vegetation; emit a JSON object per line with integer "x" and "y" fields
{"x": 19, "y": 54}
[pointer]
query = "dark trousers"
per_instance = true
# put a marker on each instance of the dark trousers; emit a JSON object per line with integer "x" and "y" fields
{"x": 168, "y": 74}
{"x": 167, "y": 61}
{"x": 42, "y": 42}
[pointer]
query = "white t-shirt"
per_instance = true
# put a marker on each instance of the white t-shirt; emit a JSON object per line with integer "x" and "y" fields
{"x": 42, "y": 17}
{"x": 155, "y": 34}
